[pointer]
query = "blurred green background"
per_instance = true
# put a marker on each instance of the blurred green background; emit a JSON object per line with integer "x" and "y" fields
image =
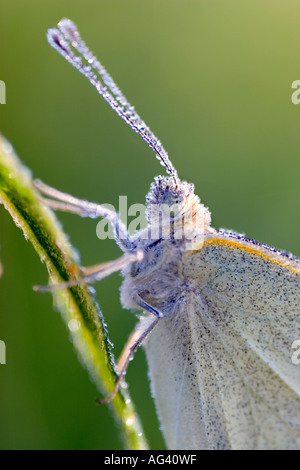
{"x": 213, "y": 81}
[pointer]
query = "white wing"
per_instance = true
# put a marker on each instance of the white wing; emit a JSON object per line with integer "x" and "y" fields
{"x": 220, "y": 366}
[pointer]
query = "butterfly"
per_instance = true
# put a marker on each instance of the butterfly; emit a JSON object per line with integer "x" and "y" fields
{"x": 219, "y": 312}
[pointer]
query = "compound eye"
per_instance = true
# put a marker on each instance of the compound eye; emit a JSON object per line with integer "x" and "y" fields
{"x": 172, "y": 209}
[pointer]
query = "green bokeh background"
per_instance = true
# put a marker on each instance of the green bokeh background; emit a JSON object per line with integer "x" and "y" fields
{"x": 213, "y": 81}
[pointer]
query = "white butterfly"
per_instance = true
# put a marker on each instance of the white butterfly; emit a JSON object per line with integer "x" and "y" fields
{"x": 223, "y": 311}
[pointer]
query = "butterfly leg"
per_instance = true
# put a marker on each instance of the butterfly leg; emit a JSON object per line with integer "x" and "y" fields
{"x": 95, "y": 273}
{"x": 135, "y": 340}
{"x": 145, "y": 306}
{"x": 67, "y": 203}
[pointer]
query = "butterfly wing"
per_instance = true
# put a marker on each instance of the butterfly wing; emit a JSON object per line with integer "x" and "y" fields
{"x": 220, "y": 366}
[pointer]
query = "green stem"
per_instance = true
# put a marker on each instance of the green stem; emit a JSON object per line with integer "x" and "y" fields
{"x": 77, "y": 305}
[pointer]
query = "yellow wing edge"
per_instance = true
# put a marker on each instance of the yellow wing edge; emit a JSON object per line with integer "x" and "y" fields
{"x": 243, "y": 246}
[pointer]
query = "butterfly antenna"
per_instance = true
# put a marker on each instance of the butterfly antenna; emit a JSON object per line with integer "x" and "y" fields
{"x": 67, "y": 41}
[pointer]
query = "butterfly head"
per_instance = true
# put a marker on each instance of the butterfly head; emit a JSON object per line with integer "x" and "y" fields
{"x": 169, "y": 197}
